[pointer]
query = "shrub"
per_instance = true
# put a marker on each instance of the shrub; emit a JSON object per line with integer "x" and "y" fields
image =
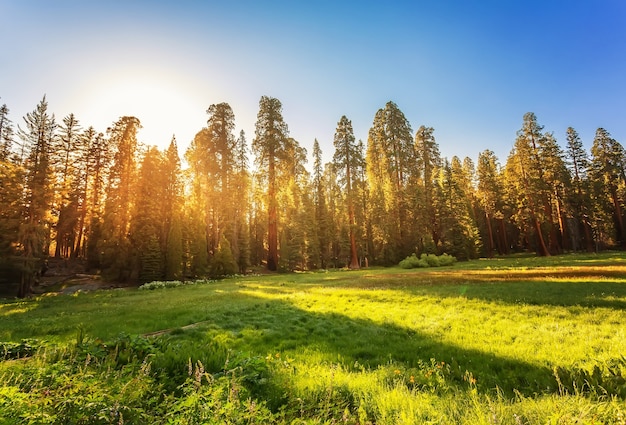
{"x": 427, "y": 260}
{"x": 159, "y": 284}
{"x": 412, "y": 262}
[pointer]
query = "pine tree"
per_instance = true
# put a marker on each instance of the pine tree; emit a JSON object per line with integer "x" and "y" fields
{"x": 6, "y": 133}
{"x": 490, "y": 195}
{"x": 98, "y": 156}
{"x": 321, "y": 250}
{"x": 34, "y": 237}
{"x": 11, "y": 189}
{"x": 608, "y": 160}
{"x": 580, "y": 198}
{"x": 558, "y": 179}
{"x": 64, "y": 158}
{"x": 525, "y": 177}
{"x": 242, "y": 202}
{"x": 148, "y": 219}
{"x": 347, "y": 160}
{"x": 292, "y": 184}
{"x": 172, "y": 236}
{"x": 223, "y": 263}
{"x": 338, "y": 244}
{"x": 429, "y": 163}
{"x": 115, "y": 245}
{"x": 390, "y": 162}
{"x": 212, "y": 160}
{"x": 270, "y": 148}
{"x": 460, "y": 236}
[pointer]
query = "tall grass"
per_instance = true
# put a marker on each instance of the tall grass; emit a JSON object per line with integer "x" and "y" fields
{"x": 516, "y": 340}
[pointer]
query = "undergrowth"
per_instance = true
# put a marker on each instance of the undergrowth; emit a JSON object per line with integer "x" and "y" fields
{"x": 427, "y": 260}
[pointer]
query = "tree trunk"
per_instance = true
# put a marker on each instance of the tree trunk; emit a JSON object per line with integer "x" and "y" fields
{"x": 588, "y": 237}
{"x": 565, "y": 240}
{"x": 490, "y": 234}
{"x": 272, "y": 223}
{"x": 354, "y": 258}
{"x": 26, "y": 279}
{"x": 619, "y": 220}
{"x": 541, "y": 244}
{"x": 504, "y": 239}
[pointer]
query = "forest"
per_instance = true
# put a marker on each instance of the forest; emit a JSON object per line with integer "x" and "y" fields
{"x": 134, "y": 213}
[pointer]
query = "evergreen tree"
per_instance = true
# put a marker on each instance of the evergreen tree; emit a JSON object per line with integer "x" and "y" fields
{"x": 241, "y": 250}
{"x": 390, "y": 162}
{"x": 490, "y": 195}
{"x": 339, "y": 245}
{"x": 148, "y": 219}
{"x": 37, "y": 137}
{"x": 11, "y": 189}
{"x": 98, "y": 156}
{"x": 429, "y": 163}
{"x": 270, "y": 148}
{"x": 6, "y": 133}
{"x": 460, "y": 236}
{"x": 213, "y": 162}
{"x": 65, "y": 156}
{"x": 115, "y": 247}
{"x": 607, "y": 172}
{"x": 293, "y": 230}
{"x": 321, "y": 251}
{"x": 580, "y": 198}
{"x": 525, "y": 177}
{"x": 347, "y": 160}
{"x": 557, "y": 177}
{"x": 172, "y": 233}
{"x": 223, "y": 263}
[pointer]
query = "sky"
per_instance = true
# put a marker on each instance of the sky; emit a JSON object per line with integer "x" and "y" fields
{"x": 469, "y": 69}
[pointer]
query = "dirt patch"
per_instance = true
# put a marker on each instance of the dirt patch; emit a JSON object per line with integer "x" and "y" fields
{"x": 70, "y": 276}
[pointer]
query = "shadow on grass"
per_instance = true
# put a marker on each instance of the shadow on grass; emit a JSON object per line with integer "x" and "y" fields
{"x": 585, "y": 288}
{"x": 265, "y": 327}
{"x": 591, "y": 294}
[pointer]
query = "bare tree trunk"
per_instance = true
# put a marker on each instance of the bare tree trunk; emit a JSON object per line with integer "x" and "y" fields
{"x": 490, "y": 233}
{"x": 272, "y": 223}
{"x": 619, "y": 220}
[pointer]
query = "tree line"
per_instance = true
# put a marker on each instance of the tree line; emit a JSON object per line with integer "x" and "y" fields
{"x": 133, "y": 213}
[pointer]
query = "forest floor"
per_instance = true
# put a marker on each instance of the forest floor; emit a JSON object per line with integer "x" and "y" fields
{"x": 70, "y": 276}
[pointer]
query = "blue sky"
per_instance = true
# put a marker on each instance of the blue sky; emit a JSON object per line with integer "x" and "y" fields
{"x": 468, "y": 69}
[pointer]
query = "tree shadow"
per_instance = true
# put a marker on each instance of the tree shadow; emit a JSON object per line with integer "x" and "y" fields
{"x": 271, "y": 326}
{"x": 586, "y": 288}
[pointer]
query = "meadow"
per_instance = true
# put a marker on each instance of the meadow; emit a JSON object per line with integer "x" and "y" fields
{"x": 516, "y": 340}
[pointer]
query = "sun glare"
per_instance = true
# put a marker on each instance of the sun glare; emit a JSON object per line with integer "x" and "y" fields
{"x": 164, "y": 105}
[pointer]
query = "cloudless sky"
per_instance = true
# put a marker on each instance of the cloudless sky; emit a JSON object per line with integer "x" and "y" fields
{"x": 470, "y": 69}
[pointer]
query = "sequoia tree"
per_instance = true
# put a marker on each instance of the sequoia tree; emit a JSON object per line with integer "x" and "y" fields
{"x": 348, "y": 160}
{"x": 270, "y": 147}
{"x": 390, "y": 163}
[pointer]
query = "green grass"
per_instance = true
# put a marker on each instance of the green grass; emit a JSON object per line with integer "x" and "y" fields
{"x": 509, "y": 340}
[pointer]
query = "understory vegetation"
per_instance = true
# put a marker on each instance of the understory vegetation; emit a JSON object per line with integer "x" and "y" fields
{"x": 427, "y": 260}
{"x": 514, "y": 340}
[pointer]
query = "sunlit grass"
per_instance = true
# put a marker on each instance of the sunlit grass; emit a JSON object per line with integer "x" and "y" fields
{"x": 457, "y": 344}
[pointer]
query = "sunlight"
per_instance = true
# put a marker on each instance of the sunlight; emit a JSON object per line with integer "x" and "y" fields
{"x": 164, "y": 104}
{"x": 8, "y": 310}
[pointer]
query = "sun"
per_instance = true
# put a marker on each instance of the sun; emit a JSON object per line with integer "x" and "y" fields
{"x": 166, "y": 105}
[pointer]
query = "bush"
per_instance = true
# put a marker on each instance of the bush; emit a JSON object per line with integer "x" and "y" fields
{"x": 412, "y": 262}
{"x": 158, "y": 284}
{"x": 427, "y": 260}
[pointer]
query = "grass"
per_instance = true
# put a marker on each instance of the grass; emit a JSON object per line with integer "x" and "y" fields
{"x": 517, "y": 340}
